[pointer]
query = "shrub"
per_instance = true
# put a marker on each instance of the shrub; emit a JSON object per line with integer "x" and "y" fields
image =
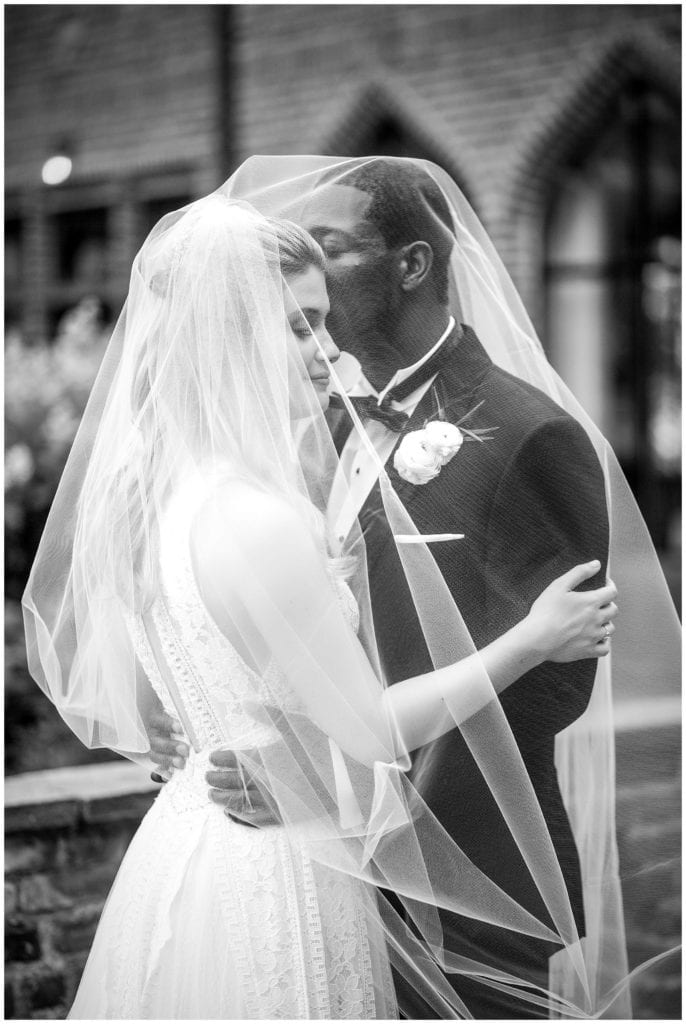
{"x": 46, "y": 390}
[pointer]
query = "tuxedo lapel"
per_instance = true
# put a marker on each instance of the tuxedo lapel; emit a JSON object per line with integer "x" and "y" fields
{"x": 460, "y": 377}
{"x": 450, "y": 397}
{"x": 375, "y": 528}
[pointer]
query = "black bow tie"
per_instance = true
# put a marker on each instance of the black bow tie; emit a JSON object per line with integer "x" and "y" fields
{"x": 368, "y": 408}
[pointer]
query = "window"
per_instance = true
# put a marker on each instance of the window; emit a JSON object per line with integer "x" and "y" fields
{"x": 389, "y": 139}
{"x": 13, "y": 271}
{"x": 81, "y": 247}
{"x": 613, "y": 285}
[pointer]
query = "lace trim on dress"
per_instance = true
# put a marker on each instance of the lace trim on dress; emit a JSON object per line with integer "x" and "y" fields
{"x": 148, "y": 661}
{"x": 320, "y": 981}
{"x": 201, "y": 710}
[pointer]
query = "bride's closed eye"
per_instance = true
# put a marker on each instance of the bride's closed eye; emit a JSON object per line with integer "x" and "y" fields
{"x": 305, "y": 323}
{"x": 300, "y": 327}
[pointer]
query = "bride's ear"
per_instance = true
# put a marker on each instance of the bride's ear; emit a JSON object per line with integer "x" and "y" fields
{"x": 416, "y": 261}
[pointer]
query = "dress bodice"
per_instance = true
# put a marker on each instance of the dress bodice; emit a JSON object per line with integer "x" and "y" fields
{"x": 215, "y": 685}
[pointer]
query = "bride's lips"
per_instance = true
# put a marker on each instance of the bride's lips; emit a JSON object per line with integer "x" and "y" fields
{"x": 323, "y": 379}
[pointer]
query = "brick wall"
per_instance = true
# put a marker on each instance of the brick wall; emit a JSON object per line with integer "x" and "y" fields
{"x": 138, "y": 84}
{"x": 478, "y": 83}
{"x": 131, "y": 85}
{"x": 66, "y": 833}
{"x": 498, "y": 95}
{"x": 67, "y": 830}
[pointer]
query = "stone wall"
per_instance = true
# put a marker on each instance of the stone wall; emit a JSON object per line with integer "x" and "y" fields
{"x": 66, "y": 833}
{"x": 67, "y": 830}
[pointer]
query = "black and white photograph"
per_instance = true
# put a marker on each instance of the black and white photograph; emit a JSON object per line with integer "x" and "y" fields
{"x": 343, "y": 511}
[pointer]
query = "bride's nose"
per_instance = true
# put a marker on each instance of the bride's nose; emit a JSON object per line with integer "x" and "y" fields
{"x": 328, "y": 348}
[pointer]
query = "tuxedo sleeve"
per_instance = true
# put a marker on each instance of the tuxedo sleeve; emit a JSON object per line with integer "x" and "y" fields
{"x": 549, "y": 514}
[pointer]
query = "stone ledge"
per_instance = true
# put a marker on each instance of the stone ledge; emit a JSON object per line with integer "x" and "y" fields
{"x": 647, "y": 713}
{"x": 83, "y": 782}
{"x": 60, "y": 797}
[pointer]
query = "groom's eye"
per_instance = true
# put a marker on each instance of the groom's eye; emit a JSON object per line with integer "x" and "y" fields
{"x": 333, "y": 246}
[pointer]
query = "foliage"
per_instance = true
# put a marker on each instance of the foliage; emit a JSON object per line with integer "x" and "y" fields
{"x": 46, "y": 390}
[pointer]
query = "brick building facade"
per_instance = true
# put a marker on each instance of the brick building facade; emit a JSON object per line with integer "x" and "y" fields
{"x": 560, "y": 123}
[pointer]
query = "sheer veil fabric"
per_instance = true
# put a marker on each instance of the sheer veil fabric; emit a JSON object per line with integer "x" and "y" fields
{"x": 203, "y": 410}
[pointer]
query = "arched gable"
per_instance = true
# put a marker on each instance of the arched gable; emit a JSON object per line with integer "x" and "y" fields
{"x": 568, "y": 133}
{"x": 385, "y": 118}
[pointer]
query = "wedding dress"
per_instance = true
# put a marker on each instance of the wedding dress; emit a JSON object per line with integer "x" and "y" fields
{"x": 208, "y": 918}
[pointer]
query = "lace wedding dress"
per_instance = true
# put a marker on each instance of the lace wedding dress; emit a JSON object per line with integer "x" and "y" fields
{"x": 208, "y": 918}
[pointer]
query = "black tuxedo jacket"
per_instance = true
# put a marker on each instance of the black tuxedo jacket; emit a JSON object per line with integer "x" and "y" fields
{"x": 531, "y": 504}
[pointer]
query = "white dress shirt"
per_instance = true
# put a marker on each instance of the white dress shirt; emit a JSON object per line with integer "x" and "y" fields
{"x": 358, "y": 470}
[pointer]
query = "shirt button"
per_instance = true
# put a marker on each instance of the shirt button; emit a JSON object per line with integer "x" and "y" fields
{"x": 357, "y": 471}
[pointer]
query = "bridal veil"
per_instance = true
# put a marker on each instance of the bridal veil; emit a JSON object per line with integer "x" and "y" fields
{"x": 202, "y": 392}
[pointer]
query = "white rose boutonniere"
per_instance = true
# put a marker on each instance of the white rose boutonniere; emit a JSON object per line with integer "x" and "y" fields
{"x": 445, "y": 438}
{"x": 421, "y": 454}
{"x": 416, "y": 460}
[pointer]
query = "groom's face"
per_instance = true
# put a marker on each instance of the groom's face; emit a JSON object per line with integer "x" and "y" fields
{"x": 360, "y": 269}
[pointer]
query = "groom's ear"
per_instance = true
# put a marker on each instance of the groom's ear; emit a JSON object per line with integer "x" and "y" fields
{"x": 416, "y": 261}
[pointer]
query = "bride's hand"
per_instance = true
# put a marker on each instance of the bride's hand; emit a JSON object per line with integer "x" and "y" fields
{"x": 568, "y": 625}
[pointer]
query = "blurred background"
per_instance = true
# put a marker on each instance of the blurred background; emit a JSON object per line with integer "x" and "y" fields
{"x": 561, "y": 124}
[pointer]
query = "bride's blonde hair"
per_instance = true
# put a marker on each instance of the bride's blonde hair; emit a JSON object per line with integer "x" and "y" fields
{"x": 297, "y": 251}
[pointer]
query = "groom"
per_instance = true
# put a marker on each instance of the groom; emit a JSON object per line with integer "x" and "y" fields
{"x": 530, "y": 503}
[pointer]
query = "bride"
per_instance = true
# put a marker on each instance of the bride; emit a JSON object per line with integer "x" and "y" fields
{"x": 188, "y": 562}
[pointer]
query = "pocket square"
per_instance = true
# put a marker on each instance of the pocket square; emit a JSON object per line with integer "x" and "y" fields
{"x": 425, "y": 538}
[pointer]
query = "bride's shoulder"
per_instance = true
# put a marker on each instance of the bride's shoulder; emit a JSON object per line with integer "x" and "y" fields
{"x": 237, "y": 516}
{"x": 244, "y": 504}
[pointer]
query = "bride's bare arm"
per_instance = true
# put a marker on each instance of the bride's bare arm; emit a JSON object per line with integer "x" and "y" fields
{"x": 562, "y": 626}
{"x": 264, "y": 582}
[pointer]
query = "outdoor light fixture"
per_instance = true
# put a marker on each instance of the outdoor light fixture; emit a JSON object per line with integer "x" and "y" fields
{"x": 57, "y": 167}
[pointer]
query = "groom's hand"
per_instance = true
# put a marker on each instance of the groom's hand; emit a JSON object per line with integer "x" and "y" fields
{"x": 234, "y": 790}
{"x": 168, "y": 749}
